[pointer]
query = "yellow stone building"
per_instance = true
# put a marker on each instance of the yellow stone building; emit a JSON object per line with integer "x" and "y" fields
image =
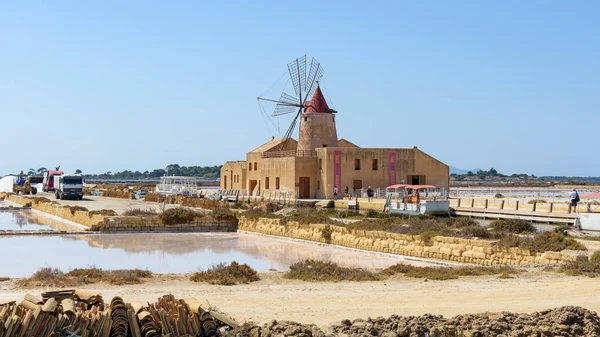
{"x": 319, "y": 161}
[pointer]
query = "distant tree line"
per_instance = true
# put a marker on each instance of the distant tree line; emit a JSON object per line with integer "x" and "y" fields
{"x": 172, "y": 170}
{"x": 491, "y": 173}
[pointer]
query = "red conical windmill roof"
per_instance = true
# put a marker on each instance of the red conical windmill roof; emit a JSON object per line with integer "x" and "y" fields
{"x": 317, "y": 103}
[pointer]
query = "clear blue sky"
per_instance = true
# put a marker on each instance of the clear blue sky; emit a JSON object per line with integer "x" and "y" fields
{"x": 114, "y": 85}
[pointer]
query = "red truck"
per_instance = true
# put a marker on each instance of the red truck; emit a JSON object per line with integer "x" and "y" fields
{"x": 49, "y": 180}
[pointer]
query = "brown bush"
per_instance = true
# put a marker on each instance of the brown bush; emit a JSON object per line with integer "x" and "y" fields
{"x": 323, "y": 271}
{"x": 74, "y": 209}
{"x": 178, "y": 215}
{"x": 139, "y": 212}
{"x": 223, "y": 214}
{"x": 542, "y": 242}
{"x": 223, "y": 274}
{"x": 103, "y": 212}
{"x": 40, "y": 200}
{"x": 56, "y": 278}
{"x": 514, "y": 226}
{"x": 445, "y": 273}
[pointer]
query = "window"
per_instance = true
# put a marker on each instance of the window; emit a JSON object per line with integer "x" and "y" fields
{"x": 250, "y": 167}
{"x": 375, "y": 165}
{"x": 357, "y": 164}
{"x": 324, "y": 145}
{"x": 318, "y": 184}
{"x": 266, "y": 183}
{"x": 255, "y": 166}
{"x": 320, "y": 164}
{"x": 276, "y": 183}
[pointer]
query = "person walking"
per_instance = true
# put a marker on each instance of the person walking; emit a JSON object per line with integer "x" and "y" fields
{"x": 574, "y": 197}
{"x": 346, "y": 192}
{"x": 335, "y": 192}
{"x": 369, "y": 193}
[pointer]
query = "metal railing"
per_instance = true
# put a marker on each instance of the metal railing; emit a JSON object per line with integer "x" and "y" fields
{"x": 289, "y": 153}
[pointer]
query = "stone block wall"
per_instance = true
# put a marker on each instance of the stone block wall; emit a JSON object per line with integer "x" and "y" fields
{"x": 154, "y": 224}
{"x": 62, "y": 211}
{"x": 482, "y": 252}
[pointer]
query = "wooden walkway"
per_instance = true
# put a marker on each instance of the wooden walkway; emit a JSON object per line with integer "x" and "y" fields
{"x": 487, "y": 213}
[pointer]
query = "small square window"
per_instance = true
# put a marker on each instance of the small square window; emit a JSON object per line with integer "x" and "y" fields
{"x": 357, "y": 164}
{"x": 375, "y": 166}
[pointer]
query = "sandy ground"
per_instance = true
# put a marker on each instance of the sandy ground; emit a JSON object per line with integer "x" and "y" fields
{"x": 92, "y": 202}
{"x": 323, "y": 303}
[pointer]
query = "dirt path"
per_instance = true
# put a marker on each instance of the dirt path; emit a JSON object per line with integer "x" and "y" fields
{"x": 322, "y": 303}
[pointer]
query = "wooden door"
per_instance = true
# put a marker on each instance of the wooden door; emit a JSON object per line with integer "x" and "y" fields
{"x": 304, "y": 192}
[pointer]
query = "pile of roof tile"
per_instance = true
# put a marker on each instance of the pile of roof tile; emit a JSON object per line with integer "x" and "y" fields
{"x": 79, "y": 313}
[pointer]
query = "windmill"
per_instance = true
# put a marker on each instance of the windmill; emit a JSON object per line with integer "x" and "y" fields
{"x": 304, "y": 86}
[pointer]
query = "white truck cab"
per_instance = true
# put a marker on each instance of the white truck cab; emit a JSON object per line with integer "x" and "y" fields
{"x": 68, "y": 186}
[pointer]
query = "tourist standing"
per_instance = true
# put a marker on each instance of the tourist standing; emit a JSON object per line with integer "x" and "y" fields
{"x": 335, "y": 192}
{"x": 574, "y": 197}
{"x": 369, "y": 193}
{"x": 346, "y": 192}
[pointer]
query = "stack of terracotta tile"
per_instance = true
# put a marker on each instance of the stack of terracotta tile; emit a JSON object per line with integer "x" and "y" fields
{"x": 82, "y": 313}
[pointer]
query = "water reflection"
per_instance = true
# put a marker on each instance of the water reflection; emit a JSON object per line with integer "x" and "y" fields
{"x": 31, "y": 220}
{"x": 172, "y": 253}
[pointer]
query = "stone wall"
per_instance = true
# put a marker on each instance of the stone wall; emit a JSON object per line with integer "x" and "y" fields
{"x": 482, "y": 252}
{"x": 62, "y": 211}
{"x": 154, "y": 224}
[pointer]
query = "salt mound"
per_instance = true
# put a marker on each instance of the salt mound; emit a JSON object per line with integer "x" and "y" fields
{"x": 6, "y": 184}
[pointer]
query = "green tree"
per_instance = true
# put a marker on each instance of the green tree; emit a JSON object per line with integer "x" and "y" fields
{"x": 470, "y": 173}
{"x": 31, "y": 171}
{"x": 42, "y": 170}
{"x": 78, "y": 171}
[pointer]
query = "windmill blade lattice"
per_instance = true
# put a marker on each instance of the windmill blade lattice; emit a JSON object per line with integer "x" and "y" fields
{"x": 286, "y": 105}
{"x": 297, "y": 69}
{"x": 314, "y": 77}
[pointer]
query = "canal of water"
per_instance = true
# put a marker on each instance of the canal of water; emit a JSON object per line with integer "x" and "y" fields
{"x": 165, "y": 252}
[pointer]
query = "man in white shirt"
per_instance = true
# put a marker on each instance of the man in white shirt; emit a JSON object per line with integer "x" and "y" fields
{"x": 574, "y": 197}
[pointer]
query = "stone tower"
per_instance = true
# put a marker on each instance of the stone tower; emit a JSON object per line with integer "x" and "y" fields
{"x": 317, "y": 125}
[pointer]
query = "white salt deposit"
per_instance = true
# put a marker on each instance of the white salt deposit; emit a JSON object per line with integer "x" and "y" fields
{"x": 6, "y": 184}
{"x": 38, "y": 186}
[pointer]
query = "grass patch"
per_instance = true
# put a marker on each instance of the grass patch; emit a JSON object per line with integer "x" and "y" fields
{"x": 321, "y": 271}
{"x": 103, "y": 212}
{"x": 227, "y": 275}
{"x": 178, "y": 215}
{"x": 240, "y": 205}
{"x": 445, "y": 273}
{"x": 80, "y": 276}
{"x": 542, "y": 242}
{"x": 514, "y": 226}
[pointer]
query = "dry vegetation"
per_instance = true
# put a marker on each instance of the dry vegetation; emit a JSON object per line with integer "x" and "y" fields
{"x": 223, "y": 274}
{"x": 583, "y": 266}
{"x": 321, "y": 271}
{"x": 447, "y": 273}
{"x": 139, "y": 212}
{"x": 77, "y": 208}
{"x": 103, "y": 212}
{"x": 541, "y": 242}
{"x": 57, "y": 278}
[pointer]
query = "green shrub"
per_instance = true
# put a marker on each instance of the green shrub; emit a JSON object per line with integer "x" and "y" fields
{"x": 178, "y": 215}
{"x": 223, "y": 274}
{"x": 514, "y": 226}
{"x": 595, "y": 258}
{"x": 498, "y": 196}
{"x": 322, "y": 271}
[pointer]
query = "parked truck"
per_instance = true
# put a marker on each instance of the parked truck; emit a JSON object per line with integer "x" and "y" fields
{"x": 48, "y": 183}
{"x": 68, "y": 186}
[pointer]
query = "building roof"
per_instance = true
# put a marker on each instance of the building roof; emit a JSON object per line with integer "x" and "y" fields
{"x": 271, "y": 144}
{"x": 342, "y": 142}
{"x": 317, "y": 103}
{"x": 243, "y": 164}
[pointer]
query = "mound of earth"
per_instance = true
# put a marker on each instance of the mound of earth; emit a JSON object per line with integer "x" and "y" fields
{"x": 565, "y": 321}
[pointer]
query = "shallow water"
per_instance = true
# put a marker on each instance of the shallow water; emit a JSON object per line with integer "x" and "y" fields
{"x": 31, "y": 220}
{"x": 173, "y": 252}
